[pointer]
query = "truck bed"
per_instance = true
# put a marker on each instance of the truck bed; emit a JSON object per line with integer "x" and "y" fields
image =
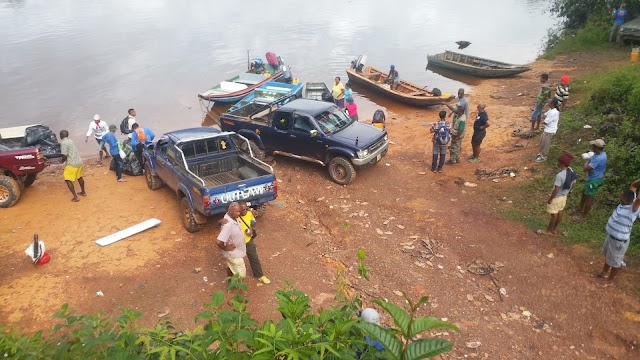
{"x": 221, "y": 178}
{"x": 226, "y": 170}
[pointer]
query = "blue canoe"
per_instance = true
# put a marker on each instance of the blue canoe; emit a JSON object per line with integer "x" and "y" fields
{"x": 269, "y": 92}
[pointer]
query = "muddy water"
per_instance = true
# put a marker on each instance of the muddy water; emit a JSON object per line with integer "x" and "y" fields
{"x": 62, "y": 61}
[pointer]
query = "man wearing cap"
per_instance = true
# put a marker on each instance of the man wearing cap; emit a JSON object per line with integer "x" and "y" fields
{"x": 479, "y": 132}
{"x": 562, "y": 92}
{"x": 619, "y": 232}
{"x": 563, "y": 184}
{"x": 394, "y": 78}
{"x": 595, "y": 167}
{"x": 231, "y": 241}
{"x": 114, "y": 149}
{"x": 371, "y": 316}
{"x": 460, "y": 112}
{"x": 98, "y": 128}
{"x": 619, "y": 16}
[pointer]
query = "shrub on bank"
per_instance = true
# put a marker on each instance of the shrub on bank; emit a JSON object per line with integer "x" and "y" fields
{"x": 594, "y": 36}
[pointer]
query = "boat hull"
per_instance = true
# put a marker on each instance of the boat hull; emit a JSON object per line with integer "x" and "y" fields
{"x": 238, "y": 95}
{"x": 475, "y": 66}
{"x": 420, "y": 98}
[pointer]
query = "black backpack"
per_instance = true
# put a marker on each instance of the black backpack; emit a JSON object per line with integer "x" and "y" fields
{"x": 124, "y": 126}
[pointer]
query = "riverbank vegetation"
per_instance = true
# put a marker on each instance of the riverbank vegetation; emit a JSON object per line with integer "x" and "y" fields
{"x": 585, "y": 25}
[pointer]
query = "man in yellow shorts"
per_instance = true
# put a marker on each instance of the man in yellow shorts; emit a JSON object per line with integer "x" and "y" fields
{"x": 562, "y": 186}
{"x": 73, "y": 168}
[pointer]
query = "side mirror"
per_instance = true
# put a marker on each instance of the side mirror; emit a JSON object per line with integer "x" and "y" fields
{"x": 313, "y": 133}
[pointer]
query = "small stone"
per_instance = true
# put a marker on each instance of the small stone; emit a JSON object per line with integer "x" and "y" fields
{"x": 526, "y": 313}
{"x": 440, "y": 267}
{"x": 496, "y": 180}
{"x": 473, "y": 344}
{"x": 178, "y": 239}
{"x": 320, "y": 199}
{"x": 503, "y": 291}
{"x": 489, "y": 298}
{"x": 205, "y": 279}
{"x": 173, "y": 232}
{"x": 422, "y": 173}
{"x": 317, "y": 231}
{"x": 99, "y": 294}
{"x": 550, "y": 255}
{"x": 469, "y": 297}
{"x": 400, "y": 226}
{"x": 301, "y": 201}
{"x": 380, "y": 232}
{"x": 197, "y": 270}
{"x": 470, "y": 184}
{"x": 399, "y": 293}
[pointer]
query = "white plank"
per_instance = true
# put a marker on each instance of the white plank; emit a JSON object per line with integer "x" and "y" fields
{"x": 125, "y": 233}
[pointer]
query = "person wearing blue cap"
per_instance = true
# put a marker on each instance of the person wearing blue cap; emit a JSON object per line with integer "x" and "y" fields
{"x": 394, "y": 78}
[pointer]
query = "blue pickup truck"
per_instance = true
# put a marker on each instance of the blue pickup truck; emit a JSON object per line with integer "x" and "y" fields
{"x": 208, "y": 169}
{"x": 310, "y": 130}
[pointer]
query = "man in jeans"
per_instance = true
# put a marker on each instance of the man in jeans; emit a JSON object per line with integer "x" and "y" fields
{"x": 441, "y": 139}
{"x": 231, "y": 241}
{"x": 619, "y": 16}
{"x": 551, "y": 118}
{"x": 595, "y": 167}
{"x": 619, "y": 232}
{"x": 114, "y": 149}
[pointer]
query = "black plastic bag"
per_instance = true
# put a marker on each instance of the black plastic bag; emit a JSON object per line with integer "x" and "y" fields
{"x": 326, "y": 96}
{"x": 43, "y": 137}
{"x": 132, "y": 166}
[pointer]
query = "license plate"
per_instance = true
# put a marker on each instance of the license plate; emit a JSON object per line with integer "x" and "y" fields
{"x": 378, "y": 157}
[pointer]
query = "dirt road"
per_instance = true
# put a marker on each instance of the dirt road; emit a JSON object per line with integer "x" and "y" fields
{"x": 552, "y": 307}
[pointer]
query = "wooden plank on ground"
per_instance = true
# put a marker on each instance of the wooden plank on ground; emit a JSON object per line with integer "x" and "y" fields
{"x": 132, "y": 230}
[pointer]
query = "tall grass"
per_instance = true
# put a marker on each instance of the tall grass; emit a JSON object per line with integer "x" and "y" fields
{"x": 593, "y": 36}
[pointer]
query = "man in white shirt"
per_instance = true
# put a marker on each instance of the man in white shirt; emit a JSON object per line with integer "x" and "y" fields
{"x": 98, "y": 128}
{"x": 231, "y": 241}
{"x": 550, "y": 122}
{"x": 131, "y": 121}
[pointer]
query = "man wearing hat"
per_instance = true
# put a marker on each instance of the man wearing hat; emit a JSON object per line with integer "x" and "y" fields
{"x": 98, "y": 128}
{"x": 562, "y": 92}
{"x": 565, "y": 180}
{"x": 394, "y": 78}
{"x": 371, "y": 316}
{"x": 114, "y": 149}
{"x": 595, "y": 167}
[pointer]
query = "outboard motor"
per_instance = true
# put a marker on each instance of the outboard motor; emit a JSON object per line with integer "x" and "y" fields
{"x": 359, "y": 63}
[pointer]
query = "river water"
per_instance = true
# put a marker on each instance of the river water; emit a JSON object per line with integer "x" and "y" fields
{"x": 62, "y": 61}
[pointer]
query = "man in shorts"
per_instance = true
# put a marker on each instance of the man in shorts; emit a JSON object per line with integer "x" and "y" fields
{"x": 231, "y": 242}
{"x": 73, "y": 166}
{"x": 479, "y": 132}
{"x": 619, "y": 232}
{"x": 543, "y": 97}
{"x": 98, "y": 128}
{"x": 595, "y": 167}
{"x": 563, "y": 184}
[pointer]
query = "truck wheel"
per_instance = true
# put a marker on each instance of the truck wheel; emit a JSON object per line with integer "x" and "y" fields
{"x": 341, "y": 170}
{"x": 153, "y": 182}
{"x": 188, "y": 217}
{"x": 9, "y": 191}
{"x": 257, "y": 152}
{"x": 29, "y": 179}
{"x": 259, "y": 210}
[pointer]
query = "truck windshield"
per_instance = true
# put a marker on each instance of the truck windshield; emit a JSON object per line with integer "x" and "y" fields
{"x": 332, "y": 120}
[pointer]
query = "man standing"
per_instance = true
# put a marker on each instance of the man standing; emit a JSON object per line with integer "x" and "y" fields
{"x": 99, "y": 128}
{"x": 338, "y": 93}
{"x": 479, "y": 132}
{"x": 551, "y": 119}
{"x": 394, "y": 78}
{"x": 619, "y": 16}
{"x": 562, "y": 93}
{"x": 543, "y": 96}
{"x": 131, "y": 119}
{"x": 564, "y": 182}
{"x": 441, "y": 139}
{"x": 114, "y": 149}
{"x": 73, "y": 166}
{"x": 595, "y": 167}
{"x": 248, "y": 222}
{"x": 139, "y": 137}
{"x": 619, "y": 231}
{"x": 460, "y": 112}
{"x": 231, "y": 241}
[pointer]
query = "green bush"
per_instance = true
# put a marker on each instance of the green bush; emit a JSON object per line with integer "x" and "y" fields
{"x": 225, "y": 330}
{"x": 593, "y": 36}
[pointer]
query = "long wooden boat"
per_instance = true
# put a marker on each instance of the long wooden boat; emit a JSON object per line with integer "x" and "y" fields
{"x": 474, "y": 65}
{"x": 270, "y": 92}
{"x": 407, "y": 93}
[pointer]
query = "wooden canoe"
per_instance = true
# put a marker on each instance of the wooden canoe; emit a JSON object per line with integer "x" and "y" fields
{"x": 407, "y": 93}
{"x": 237, "y": 87}
{"x": 474, "y": 65}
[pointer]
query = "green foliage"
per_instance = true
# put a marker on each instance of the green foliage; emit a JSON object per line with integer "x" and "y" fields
{"x": 592, "y": 36}
{"x": 576, "y": 13}
{"x": 225, "y": 330}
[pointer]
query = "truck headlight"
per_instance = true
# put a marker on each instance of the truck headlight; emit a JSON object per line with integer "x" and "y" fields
{"x": 386, "y": 137}
{"x": 363, "y": 153}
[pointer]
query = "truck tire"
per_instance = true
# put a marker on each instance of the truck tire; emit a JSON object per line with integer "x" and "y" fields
{"x": 341, "y": 170}
{"x": 259, "y": 210}
{"x": 188, "y": 217}
{"x": 257, "y": 152}
{"x": 9, "y": 191}
{"x": 29, "y": 179}
{"x": 153, "y": 182}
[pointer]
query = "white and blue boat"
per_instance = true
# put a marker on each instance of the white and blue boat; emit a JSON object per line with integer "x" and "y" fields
{"x": 270, "y": 92}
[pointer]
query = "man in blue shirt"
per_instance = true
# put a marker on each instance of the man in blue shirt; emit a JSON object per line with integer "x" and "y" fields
{"x": 139, "y": 138}
{"x": 619, "y": 232}
{"x": 114, "y": 149}
{"x": 479, "y": 132}
{"x": 619, "y": 15}
{"x": 595, "y": 167}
